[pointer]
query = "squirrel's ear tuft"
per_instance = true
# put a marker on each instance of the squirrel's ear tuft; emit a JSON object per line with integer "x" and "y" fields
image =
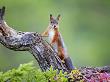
{"x": 51, "y": 17}
{"x": 58, "y": 17}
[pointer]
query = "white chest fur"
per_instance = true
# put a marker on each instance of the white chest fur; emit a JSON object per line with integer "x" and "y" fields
{"x": 51, "y": 34}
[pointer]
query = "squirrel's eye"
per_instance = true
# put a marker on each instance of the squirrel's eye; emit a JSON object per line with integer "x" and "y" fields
{"x": 51, "y": 22}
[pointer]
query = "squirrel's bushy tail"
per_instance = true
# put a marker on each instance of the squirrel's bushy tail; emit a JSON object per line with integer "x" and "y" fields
{"x": 67, "y": 59}
{"x": 69, "y": 64}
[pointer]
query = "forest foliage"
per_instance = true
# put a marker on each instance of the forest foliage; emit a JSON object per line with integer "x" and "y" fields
{"x": 28, "y": 73}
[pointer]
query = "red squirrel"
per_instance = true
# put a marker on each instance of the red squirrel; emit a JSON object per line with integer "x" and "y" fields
{"x": 57, "y": 41}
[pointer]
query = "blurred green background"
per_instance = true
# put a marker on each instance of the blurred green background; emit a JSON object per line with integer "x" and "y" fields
{"x": 84, "y": 24}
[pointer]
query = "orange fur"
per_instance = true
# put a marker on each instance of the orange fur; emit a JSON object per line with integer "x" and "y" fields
{"x": 45, "y": 33}
{"x": 56, "y": 40}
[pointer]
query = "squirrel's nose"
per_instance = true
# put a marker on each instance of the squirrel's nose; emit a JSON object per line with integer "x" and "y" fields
{"x": 54, "y": 26}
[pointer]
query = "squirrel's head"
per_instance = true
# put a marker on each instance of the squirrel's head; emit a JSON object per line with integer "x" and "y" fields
{"x": 54, "y": 22}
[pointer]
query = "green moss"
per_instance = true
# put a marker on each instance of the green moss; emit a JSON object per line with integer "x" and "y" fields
{"x": 28, "y": 73}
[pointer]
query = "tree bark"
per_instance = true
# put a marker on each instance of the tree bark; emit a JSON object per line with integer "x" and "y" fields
{"x": 32, "y": 42}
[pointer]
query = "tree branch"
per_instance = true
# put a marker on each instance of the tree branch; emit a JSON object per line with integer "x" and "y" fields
{"x": 32, "y": 42}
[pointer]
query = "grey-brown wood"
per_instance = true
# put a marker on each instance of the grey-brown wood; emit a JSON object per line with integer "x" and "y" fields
{"x": 32, "y": 42}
